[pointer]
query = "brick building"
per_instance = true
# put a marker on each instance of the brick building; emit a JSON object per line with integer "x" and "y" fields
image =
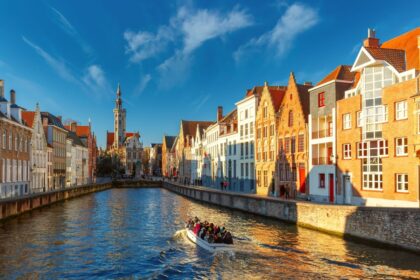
{"x": 292, "y": 140}
{"x": 265, "y": 142}
{"x": 15, "y": 148}
{"x": 378, "y": 125}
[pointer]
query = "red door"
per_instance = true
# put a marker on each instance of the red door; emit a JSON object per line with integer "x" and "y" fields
{"x": 331, "y": 186}
{"x": 302, "y": 179}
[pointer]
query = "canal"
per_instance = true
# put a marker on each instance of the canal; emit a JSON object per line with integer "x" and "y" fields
{"x": 137, "y": 234}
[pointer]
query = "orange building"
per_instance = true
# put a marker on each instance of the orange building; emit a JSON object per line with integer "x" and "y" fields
{"x": 292, "y": 159}
{"x": 265, "y": 141}
{"x": 378, "y": 125}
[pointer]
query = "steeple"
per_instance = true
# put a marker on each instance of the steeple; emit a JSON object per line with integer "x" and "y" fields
{"x": 118, "y": 101}
{"x": 119, "y": 120}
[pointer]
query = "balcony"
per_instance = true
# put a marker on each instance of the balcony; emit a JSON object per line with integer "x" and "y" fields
{"x": 321, "y": 161}
{"x": 321, "y": 133}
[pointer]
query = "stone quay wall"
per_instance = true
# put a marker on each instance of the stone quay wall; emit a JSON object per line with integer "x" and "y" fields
{"x": 396, "y": 227}
{"x": 15, "y": 206}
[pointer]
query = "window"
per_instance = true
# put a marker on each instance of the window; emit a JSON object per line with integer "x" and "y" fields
{"x": 241, "y": 130}
{"x": 242, "y": 170}
{"x": 265, "y": 178}
{"x": 359, "y": 119}
{"x": 246, "y": 113}
{"x": 4, "y": 139}
{"x": 251, "y": 146}
{"x": 246, "y": 149}
{"x": 246, "y": 129}
{"x": 401, "y": 182}
{"x": 246, "y": 170}
{"x": 346, "y": 151}
{"x": 265, "y": 131}
{"x": 401, "y": 110}
{"x": 286, "y": 144}
{"x": 321, "y": 99}
{"x": 401, "y": 146}
{"x": 259, "y": 178}
{"x": 347, "y": 121}
{"x": 290, "y": 122}
{"x": 272, "y": 130}
{"x": 265, "y": 110}
{"x": 258, "y": 132}
{"x": 375, "y": 148}
{"x": 322, "y": 180}
{"x": 281, "y": 148}
{"x": 372, "y": 181}
{"x": 242, "y": 149}
{"x": 301, "y": 143}
{"x": 293, "y": 145}
{"x": 251, "y": 128}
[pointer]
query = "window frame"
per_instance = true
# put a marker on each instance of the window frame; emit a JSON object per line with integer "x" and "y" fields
{"x": 347, "y": 151}
{"x": 399, "y": 184}
{"x": 404, "y": 110}
{"x": 346, "y": 122}
{"x": 404, "y": 146}
{"x": 321, "y": 99}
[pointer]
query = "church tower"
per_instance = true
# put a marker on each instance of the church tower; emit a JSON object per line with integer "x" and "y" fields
{"x": 119, "y": 121}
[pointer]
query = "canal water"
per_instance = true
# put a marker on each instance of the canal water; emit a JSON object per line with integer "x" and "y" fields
{"x": 137, "y": 234}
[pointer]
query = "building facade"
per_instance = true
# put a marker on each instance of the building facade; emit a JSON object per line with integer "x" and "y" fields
{"x": 322, "y": 134}
{"x": 39, "y": 153}
{"x": 292, "y": 129}
{"x": 266, "y": 148}
{"x": 377, "y": 125}
{"x": 15, "y": 148}
{"x": 167, "y": 143}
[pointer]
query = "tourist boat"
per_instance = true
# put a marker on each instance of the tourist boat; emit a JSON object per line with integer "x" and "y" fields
{"x": 212, "y": 247}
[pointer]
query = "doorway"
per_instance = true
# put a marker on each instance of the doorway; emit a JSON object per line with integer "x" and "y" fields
{"x": 331, "y": 187}
{"x": 302, "y": 179}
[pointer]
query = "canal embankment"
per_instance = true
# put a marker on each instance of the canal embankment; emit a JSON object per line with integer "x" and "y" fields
{"x": 395, "y": 227}
{"x": 14, "y": 206}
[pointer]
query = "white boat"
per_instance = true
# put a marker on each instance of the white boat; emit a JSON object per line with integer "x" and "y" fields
{"x": 212, "y": 247}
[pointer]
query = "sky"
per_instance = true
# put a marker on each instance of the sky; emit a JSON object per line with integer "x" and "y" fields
{"x": 177, "y": 59}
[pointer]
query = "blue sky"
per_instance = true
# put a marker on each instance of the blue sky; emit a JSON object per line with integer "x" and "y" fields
{"x": 176, "y": 59}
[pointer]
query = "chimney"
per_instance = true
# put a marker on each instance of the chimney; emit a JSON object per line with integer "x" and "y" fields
{"x": 73, "y": 126}
{"x": 371, "y": 41}
{"x": 44, "y": 121}
{"x": 12, "y": 96}
{"x": 219, "y": 113}
{"x": 1, "y": 88}
{"x": 307, "y": 83}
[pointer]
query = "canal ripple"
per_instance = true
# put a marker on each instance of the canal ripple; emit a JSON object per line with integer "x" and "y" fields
{"x": 137, "y": 234}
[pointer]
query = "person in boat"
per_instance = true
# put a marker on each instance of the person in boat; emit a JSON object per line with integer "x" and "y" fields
{"x": 227, "y": 238}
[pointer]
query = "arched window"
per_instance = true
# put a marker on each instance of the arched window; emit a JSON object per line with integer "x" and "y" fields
{"x": 290, "y": 118}
{"x": 4, "y": 138}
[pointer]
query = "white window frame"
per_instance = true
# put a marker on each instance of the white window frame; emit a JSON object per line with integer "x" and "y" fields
{"x": 400, "y": 149}
{"x": 401, "y": 110}
{"x": 401, "y": 182}
{"x": 347, "y": 151}
{"x": 346, "y": 121}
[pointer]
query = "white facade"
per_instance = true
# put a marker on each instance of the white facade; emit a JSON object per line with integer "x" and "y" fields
{"x": 247, "y": 111}
{"x": 211, "y": 161}
{"x": 133, "y": 149}
{"x": 39, "y": 156}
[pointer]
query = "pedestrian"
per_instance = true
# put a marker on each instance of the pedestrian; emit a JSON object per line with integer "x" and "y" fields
{"x": 221, "y": 185}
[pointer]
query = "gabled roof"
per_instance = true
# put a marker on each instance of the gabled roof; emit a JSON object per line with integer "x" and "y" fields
{"x": 169, "y": 140}
{"x": 394, "y": 57}
{"x": 409, "y": 43}
{"x": 341, "y": 72}
{"x": 28, "y": 118}
{"x": 304, "y": 99}
{"x": 189, "y": 127}
{"x": 277, "y": 94}
{"x": 52, "y": 120}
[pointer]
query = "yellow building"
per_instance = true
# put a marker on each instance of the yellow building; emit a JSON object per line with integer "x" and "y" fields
{"x": 265, "y": 141}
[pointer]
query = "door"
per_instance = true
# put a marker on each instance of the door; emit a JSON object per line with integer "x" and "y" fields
{"x": 302, "y": 179}
{"x": 347, "y": 189}
{"x": 331, "y": 187}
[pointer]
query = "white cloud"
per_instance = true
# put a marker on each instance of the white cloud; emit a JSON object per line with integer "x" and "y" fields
{"x": 143, "y": 45}
{"x": 144, "y": 81}
{"x": 57, "y": 64}
{"x": 94, "y": 78}
{"x": 174, "y": 70}
{"x": 296, "y": 19}
{"x": 204, "y": 25}
{"x": 69, "y": 29}
{"x": 190, "y": 27}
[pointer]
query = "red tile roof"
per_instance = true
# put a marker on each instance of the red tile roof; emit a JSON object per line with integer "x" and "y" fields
{"x": 277, "y": 93}
{"x": 81, "y": 130}
{"x": 28, "y": 117}
{"x": 407, "y": 42}
{"x": 394, "y": 57}
{"x": 341, "y": 72}
{"x": 110, "y": 138}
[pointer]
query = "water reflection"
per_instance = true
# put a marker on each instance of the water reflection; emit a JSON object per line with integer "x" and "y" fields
{"x": 137, "y": 233}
